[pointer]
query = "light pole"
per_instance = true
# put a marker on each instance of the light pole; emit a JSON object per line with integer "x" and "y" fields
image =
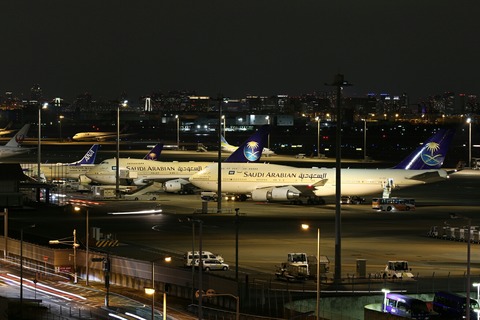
{"x": 151, "y": 291}
{"x": 200, "y": 262}
{"x": 319, "y": 277}
{"x": 469, "y": 121}
{"x": 75, "y": 245}
{"x": 117, "y": 164}
{"x": 21, "y": 263}
{"x": 339, "y": 82}
{"x": 365, "y": 139}
{"x": 87, "y": 237}
{"x": 60, "y": 118}
{"x": 5, "y": 232}
{"x": 268, "y": 122}
{"x": 469, "y": 221}
{"x": 224, "y": 125}
{"x": 477, "y": 285}
{"x": 178, "y": 131}
{"x": 39, "y": 146}
{"x": 318, "y": 137}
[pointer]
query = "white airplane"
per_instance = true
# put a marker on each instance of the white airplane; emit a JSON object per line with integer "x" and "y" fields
{"x": 99, "y": 135}
{"x": 272, "y": 182}
{"x": 142, "y": 171}
{"x": 13, "y": 147}
{"x": 57, "y": 171}
{"x": 226, "y": 147}
{"x": 174, "y": 175}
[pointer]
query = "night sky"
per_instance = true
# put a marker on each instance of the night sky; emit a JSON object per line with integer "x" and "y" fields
{"x": 263, "y": 47}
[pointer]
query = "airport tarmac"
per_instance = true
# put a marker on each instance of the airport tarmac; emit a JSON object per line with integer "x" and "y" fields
{"x": 268, "y": 231}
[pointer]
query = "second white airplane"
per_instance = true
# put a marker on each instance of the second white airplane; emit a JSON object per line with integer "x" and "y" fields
{"x": 272, "y": 182}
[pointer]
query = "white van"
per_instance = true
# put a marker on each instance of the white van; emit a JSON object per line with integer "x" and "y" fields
{"x": 207, "y": 255}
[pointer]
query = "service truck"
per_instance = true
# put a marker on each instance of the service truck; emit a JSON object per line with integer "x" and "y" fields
{"x": 397, "y": 269}
{"x": 300, "y": 267}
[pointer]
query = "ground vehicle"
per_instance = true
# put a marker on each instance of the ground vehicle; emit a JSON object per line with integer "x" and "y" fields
{"x": 452, "y": 306}
{"x": 207, "y": 255}
{"x": 208, "y": 196}
{"x": 397, "y": 269}
{"x": 396, "y": 204}
{"x": 299, "y": 267}
{"x": 212, "y": 196}
{"x": 107, "y": 191}
{"x": 145, "y": 196}
{"x": 405, "y": 306}
{"x": 455, "y": 233}
{"x": 352, "y": 200}
{"x": 214, "y": 264}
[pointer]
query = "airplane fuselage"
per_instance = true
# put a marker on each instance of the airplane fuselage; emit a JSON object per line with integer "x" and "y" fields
{"x": 139, "y": 170}
{"x": 94, "y": 135}
{"x": 244, "y": 178}
{"x": 57, "y": 170}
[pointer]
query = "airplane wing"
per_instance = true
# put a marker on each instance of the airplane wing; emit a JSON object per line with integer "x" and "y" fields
{"x": 429, "y": 176}
{"x": 297, "y": 189}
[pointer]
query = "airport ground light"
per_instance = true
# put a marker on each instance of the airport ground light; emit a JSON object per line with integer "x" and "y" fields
{"x": 151, "y": 291}
{"x": 75, "y": 245}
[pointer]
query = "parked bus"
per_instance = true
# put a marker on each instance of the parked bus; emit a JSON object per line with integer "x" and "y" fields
{"x": 405, "y": 306}
{"x": 452, "y": 306}
{"x": 395, "y": 204}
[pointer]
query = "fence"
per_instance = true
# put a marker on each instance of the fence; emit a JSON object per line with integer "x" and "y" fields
{"x": 259, "y": 294}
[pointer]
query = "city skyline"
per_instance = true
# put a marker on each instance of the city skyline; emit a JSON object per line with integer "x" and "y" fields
{"x": 234, "y": 49}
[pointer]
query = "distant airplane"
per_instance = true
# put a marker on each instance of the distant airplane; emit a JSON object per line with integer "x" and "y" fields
{"x": 74, "y": 170}
{"x": 99, "y": 135}
{"x": 174, "y": 175}
{"x": 58, "y": 171}
{"x": 226, "y": 147}
{"x": 13, "y": 147}
{"x": 6, "y": 130}
{"x": 272, "y": 182}
{"x": 141, "y": 172}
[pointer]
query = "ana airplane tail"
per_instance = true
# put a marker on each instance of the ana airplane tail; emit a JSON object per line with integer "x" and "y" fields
{"x": 154, "y": 153}
{"x": 89, "y": 157}
{"x": 18, "y": 138}
{"x": 431, "y": 154}
{"x": 251, "y": 150}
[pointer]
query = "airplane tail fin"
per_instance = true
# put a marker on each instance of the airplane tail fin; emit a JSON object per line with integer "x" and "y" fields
{"x": 223, "y": 140}
{"x": 89, "y": 157}
{"x": 154, "y": 153}
{"x": 251, "y": 149}
{"x": 431, "y": 154}
{"x": 18, "y": 138}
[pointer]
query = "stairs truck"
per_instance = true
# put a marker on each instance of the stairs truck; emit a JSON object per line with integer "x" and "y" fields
{"x": 300, "y": 267}
{"x": 147, "y": 192}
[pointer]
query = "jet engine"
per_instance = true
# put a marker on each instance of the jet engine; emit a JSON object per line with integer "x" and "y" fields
{"x": 176, "y": 185}
{"x": 275, "y": 194}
